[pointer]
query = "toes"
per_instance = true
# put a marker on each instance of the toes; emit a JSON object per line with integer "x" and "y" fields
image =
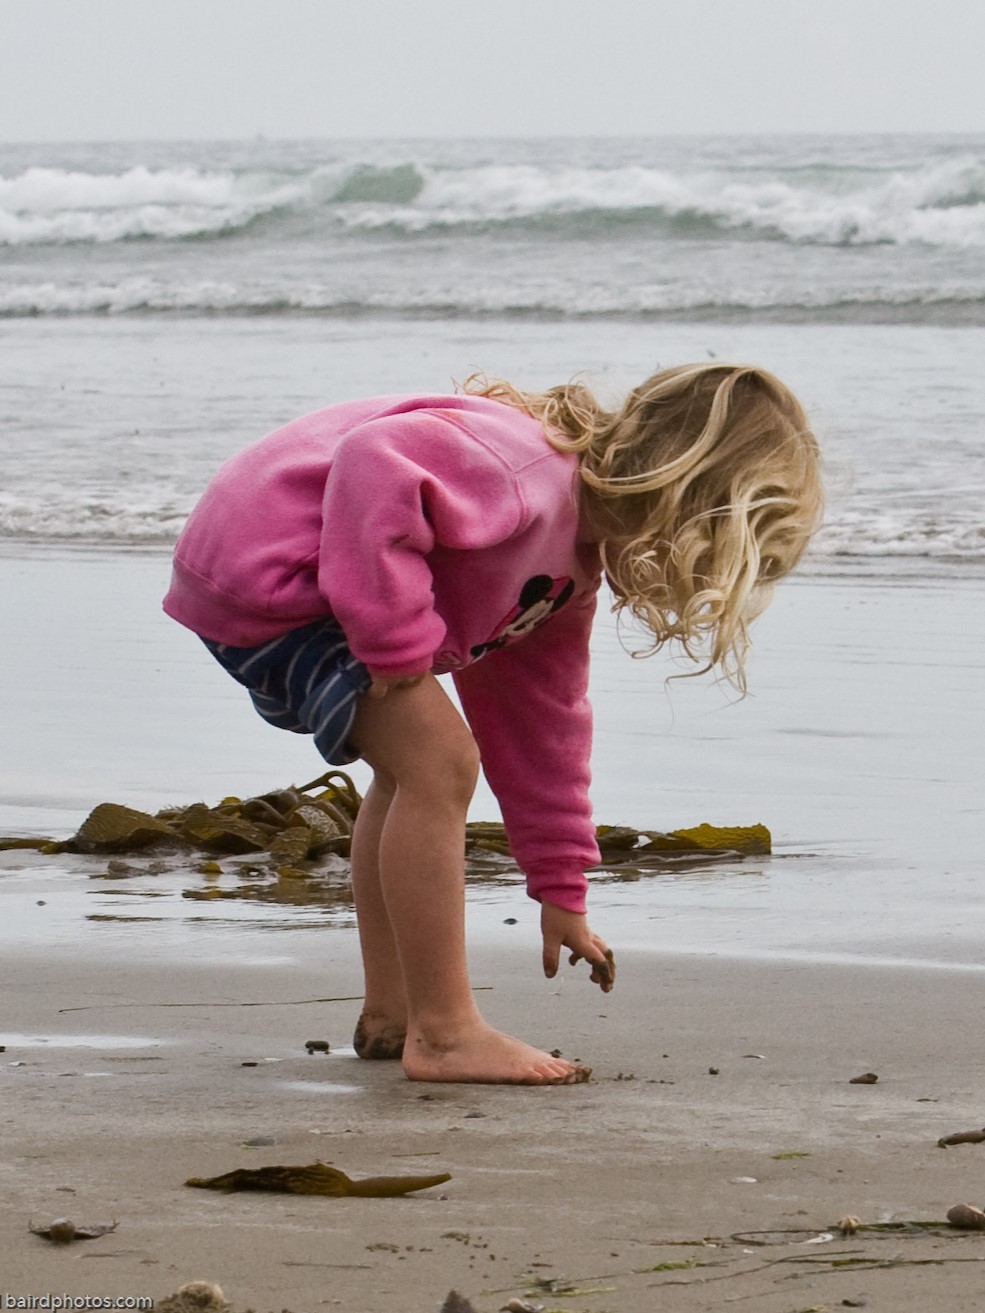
{"x": 560, "y": 1073}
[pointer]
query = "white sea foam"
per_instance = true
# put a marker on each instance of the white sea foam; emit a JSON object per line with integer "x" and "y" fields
{"x": 90, "y": 519}
{"x": 45, "y": 205}
{"x": 544, "y": 298}
{"x": 156, "y": 517}
{"x": 941, "y": 204}
{"x": 880, "y": 533}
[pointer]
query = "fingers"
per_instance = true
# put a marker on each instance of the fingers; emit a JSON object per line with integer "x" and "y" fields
{"x": 379, "y": 688}
{"x": 603, "y": 963}
{"x": 552, "y": 955}
{"x": 604, "y": 973}
{"x": 563, "y": 928}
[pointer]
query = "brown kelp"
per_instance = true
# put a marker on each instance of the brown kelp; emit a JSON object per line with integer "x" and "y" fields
{"x": 301, "y": 824}
{"x": 318, "y": 1178}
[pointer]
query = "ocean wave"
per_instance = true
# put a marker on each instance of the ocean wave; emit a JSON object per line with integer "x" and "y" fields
{"x": 90, "y": 520}
{"x": 877, "y": 533}
{"x": 151, "y": 296}
{"x": 938, "y": 204}
{"x": 870, "y": 532}
{"x": 45, "y": 206}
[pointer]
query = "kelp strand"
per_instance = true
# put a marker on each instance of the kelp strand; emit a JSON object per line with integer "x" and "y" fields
{"x": 317, "y": 1179}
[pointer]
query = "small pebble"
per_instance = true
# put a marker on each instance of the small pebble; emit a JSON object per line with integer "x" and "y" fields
{"x": 317, "y": 1045}
{"x": 714, "y": 1071}
{"x": 866, "y": 1078}
{"x": 249, "y": 1064}
{"x": 966, "y": 1217}
{"x": 510, "y": 920}
{"x": 456, "y": 1303}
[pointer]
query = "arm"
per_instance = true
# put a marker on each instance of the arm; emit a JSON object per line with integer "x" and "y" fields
{"x": 527, "y": 705}
{"x": 399, "y": 486}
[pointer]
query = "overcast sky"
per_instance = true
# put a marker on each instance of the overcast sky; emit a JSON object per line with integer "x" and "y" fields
{"x": 110, "y": 69}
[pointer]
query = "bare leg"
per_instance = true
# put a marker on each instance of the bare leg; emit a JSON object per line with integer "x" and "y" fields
{"x": 415, "y": 738}
{"x": 382, "y": 1027}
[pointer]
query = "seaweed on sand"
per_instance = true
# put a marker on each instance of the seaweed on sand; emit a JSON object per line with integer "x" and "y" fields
{"x": 318, "y": 1179}
{"x": 300, "y": 824}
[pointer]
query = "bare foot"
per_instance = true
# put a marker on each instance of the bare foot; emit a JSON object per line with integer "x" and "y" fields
{"x": 377, "y": 1038}
{"x": 483, "y": 1056}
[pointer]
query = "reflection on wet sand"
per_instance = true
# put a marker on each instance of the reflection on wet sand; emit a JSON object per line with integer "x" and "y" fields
{"x": 289, "y": 849}
{"x": 325, "y": 886}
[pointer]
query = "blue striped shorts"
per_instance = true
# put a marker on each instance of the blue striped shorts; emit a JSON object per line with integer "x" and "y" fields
{"x": 306, "y": 681}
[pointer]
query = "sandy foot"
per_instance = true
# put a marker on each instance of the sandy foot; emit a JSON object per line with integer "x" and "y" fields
{"x": 485, "y": 1056}
{"x": 375, "y": 1038}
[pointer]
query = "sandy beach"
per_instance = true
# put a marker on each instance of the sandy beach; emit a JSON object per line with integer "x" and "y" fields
{"x": 720, "y": 1108}
{"x": 720, "y": 1137}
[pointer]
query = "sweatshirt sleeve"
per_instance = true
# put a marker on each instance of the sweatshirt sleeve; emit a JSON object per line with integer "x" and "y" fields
{"x": 400, "y": 486}
{"x": 527, "y": 706}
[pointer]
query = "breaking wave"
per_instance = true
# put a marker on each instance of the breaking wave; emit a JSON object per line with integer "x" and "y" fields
{"x": 154, "y": 520}
{"x": 938, "y": 204}
{"x": 150, "y": 296}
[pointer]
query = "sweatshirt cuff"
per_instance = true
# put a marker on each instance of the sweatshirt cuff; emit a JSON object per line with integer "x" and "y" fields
{"x": 553, "y": 884}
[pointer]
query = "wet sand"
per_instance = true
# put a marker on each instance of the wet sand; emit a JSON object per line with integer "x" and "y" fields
{"x": 133, "y": 1080}
{"x": 856, "y": 948}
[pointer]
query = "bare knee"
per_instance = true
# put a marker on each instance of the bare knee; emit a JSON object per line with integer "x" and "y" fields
{"x": 418, "y": 744}
{"x": 456, "y": 770}
{"x": 446, "y": 771}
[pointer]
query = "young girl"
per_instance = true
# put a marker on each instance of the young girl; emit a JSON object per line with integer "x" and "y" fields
{"x": 337, "y": 566}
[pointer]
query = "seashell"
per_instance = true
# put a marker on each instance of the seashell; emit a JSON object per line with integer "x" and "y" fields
{"x": 62, "y": 1231}
{"x": 202, "y": 1294}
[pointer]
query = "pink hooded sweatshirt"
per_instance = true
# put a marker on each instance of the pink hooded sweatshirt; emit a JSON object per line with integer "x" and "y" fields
{"x": 443, "y": 534}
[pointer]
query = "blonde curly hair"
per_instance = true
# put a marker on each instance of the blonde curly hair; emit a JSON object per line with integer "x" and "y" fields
{"x": 703, "y": 489}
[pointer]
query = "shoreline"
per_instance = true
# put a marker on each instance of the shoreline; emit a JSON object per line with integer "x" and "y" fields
{"x": 857, "y": 748}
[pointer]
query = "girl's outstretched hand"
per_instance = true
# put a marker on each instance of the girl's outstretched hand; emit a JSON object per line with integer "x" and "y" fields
{"x": 564, "y": 929}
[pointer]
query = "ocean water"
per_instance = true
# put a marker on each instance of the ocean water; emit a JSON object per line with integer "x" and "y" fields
{"x": 163, "y": 304}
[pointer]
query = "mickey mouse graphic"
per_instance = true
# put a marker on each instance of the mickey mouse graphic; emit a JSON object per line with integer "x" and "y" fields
{"x": 540, "y": 597}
